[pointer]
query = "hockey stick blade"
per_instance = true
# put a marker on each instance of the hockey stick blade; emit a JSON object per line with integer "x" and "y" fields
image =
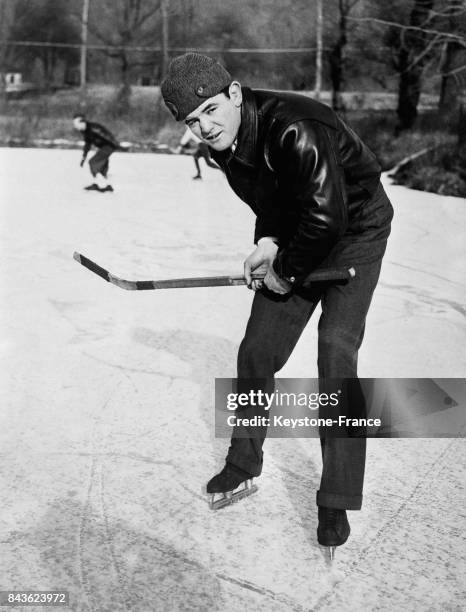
{"x": 331, "y": 274}
{"x": 92, "y": 266}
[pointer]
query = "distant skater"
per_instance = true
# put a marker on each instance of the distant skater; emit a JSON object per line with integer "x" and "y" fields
{"x": 100, "y": 137}
{"x": 190, "y": 141}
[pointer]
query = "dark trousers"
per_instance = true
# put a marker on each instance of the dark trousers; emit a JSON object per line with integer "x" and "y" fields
{"x": 274, "y": 327}
{"x": 100, "y": 161}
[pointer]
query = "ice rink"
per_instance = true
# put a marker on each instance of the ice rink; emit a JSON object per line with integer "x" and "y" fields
{"x": 106, "y": 422}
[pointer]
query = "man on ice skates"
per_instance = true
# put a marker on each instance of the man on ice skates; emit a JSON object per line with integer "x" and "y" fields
{"x": 316, "y": 192}
{"x": 96, "y": 135}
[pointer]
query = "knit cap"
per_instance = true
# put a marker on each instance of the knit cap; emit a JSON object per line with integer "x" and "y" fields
{"x": 191, "y": 79}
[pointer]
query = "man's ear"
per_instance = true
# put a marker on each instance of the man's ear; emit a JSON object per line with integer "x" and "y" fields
{"x": 235, "y": 93}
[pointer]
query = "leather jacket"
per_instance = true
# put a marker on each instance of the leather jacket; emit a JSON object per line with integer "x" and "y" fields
{"x": 98, "y": 135}
{"x": 311, "y": 182}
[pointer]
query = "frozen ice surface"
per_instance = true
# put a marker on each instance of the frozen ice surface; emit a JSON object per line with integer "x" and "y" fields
{"x": 106, "y": 427}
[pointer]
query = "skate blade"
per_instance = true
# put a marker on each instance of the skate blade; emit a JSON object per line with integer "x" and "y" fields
{"x": 231, "y": 497}
{"x": 328, "y": 553}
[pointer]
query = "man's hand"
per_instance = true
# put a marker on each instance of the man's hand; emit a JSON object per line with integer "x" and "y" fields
{"x": 83, "y": 159}
{"x": 274, "y": 283}
{"x": 260, "y": 262}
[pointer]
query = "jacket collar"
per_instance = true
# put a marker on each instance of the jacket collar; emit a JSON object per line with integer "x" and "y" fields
{"x": 246, "y": 147}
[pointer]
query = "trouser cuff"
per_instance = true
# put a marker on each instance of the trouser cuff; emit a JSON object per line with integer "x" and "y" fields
{"x": 251, "y": 467}
{"x": 341, "y": 502}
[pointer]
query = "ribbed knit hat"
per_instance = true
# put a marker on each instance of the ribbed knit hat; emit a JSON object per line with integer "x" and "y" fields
{"x": 191, "y": 79}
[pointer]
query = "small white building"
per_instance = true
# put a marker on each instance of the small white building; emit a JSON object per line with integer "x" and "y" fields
{"x": 13, "y": 82}
{"x": 13, "y": 78}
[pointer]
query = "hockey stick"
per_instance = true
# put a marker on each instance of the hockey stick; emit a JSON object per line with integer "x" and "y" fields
{"x": 336, "y": 274}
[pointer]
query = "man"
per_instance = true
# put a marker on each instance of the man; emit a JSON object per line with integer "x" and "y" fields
{"x": 315, "y": 189}
{"x": 97, "y": 135}
{"x": 199, "y": 150}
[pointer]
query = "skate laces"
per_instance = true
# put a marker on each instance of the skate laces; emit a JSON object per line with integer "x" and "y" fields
{"x": 330, "y": 516}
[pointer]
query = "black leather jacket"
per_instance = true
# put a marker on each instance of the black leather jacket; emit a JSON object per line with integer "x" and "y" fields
{"x": 311, "y": 182}
{"x": 98, "y": 135}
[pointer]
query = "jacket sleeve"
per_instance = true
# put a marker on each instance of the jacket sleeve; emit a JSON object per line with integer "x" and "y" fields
{"x": 87, "y": 144}
{"x": 308, "y": 170}
{"x": 267, "y": 225}
{"x": 105, "y": 135}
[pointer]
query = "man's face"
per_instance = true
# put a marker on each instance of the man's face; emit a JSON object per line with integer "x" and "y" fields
{"x": 216, "y": 121}
{"x": 79, "y": 124}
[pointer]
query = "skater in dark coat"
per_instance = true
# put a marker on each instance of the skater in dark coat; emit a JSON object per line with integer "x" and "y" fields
{"x": 100, "y": 137}
{"x": 316, "y": 192}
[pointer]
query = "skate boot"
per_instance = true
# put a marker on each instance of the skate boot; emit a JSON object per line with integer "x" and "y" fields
{"x": 107, "y": 188}
{"x": 230, "y": 485}
{"x": 93, "y": 187}
{"x": 197, "y": 177}
{"x": 333, "y": 529}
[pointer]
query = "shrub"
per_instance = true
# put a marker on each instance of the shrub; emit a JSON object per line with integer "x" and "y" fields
{"x": 430, "y": 179}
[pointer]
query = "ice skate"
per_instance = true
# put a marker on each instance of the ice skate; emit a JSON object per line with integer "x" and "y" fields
{"x": 333, "y": 529}
{"x": 92, "y": 187}
{"x": 197, "y": 177}
{"x": 229, "y": 486}
{"x": 107, "y": 188}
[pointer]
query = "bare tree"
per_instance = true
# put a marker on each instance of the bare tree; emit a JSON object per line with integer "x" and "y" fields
{"x": 453, "y": 62}
{"x": 412, "y": 57}
{"x": 131, "y": 23}
{"x": 45, "y": 24}
{"x": 431, "y": 43}
{"x": 165, "y": 34}
{"x": 83, "y": 58}
{"x": 428, "y": 43}
{"x": 337, "y": 54}
{"x": 3, "y": 50}
{"x": 319, "y": 45}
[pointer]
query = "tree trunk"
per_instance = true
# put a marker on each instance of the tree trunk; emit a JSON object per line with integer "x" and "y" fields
{"x": 83, "y": 53}
{"x": 165, "y": 34}
{"x": 3, "y": 54}
{"x": 411, "y": 65}
{"x": 46, "y": 66}
{"x": 123, "y": 100}
{"x": 461, "y": 142}
{"x": 318, "y": 78}
{"x": 409, "y": 92}
{"x": 337, "y": 62}
{"x": 450, "y": 90}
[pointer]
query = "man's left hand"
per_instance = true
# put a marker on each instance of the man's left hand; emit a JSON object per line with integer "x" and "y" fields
{"x": 276, "y": 284}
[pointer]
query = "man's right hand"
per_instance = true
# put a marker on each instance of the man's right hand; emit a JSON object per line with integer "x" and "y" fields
{"x": 259, "y": 261}
{"x": 83, "y": 159}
